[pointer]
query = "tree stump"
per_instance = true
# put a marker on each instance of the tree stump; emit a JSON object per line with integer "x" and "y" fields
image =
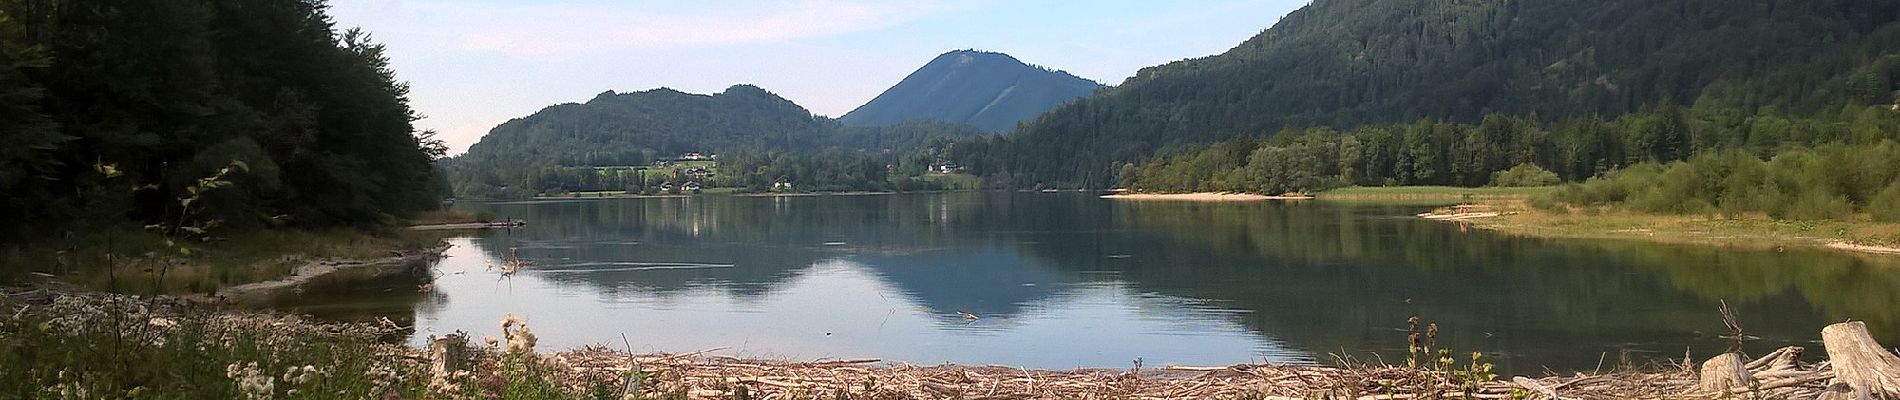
{"x": 1870, "y": 371}
{"x": 1722, "y": 373}
{"x": 448, "y": 354}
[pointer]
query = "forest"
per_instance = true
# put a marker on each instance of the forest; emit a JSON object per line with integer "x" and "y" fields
{"x": 1499, "y": 150}
{"x": 235, "y": 113}
{"x": 761, "y": 138}
{"x": 1352, "y": 63}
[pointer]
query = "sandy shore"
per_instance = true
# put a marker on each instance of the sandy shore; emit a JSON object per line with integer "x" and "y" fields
{"x": 1864, "y": 248}
{"x": 1201, "y": 197}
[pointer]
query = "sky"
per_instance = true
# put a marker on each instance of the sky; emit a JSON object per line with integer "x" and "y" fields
{"x": 473, "y": 64}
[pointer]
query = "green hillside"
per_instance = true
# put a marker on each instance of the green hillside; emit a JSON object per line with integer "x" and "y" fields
{"x": 557, "y": 148}
{"x": 992, "y": 91}
{"x": 1347, "y": 63}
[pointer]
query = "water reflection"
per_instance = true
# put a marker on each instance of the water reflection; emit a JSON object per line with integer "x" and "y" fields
{"x": 1069, "y": 280}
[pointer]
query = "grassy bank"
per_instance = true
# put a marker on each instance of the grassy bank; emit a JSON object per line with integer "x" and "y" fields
{"x": 132, "y": 260}
{"x": 1751, "y": 231}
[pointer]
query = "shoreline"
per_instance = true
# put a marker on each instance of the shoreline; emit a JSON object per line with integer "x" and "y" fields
{"x": 1200, "y": 196}
{"x": 1855, "y": 237}
{"x": 456, "y": 366}
{"x": 469, "y": 226}
{"x": 400, "y": 262}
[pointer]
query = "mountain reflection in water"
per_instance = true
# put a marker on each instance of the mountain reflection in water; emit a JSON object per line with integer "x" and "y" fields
{"x": 1062, "y": 281}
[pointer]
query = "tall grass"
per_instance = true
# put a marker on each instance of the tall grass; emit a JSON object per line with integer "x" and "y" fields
{"x": 114, "y": 346}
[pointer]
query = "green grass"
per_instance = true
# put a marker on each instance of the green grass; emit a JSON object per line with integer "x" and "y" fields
{"x": 1755, "y": 231}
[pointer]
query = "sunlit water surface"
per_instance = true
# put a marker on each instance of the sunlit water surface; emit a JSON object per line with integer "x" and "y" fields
{"x": 1065, "y": 280}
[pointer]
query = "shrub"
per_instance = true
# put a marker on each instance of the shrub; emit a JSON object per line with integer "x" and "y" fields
{"x": 1885, "y": 206}
{"x": 1819, "y": 205}
{"x": 1524, "y": 175}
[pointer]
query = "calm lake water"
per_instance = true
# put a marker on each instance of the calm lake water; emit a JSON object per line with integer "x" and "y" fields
{"x": 1070, "y": 280}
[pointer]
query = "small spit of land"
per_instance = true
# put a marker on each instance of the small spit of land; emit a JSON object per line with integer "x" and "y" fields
{"x": 1209, "y": 196}
{"x": 1514, "y": 215}
{"x": 86, "y": 345}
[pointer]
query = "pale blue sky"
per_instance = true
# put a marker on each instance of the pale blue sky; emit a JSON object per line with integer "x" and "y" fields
{"x": 473, "y": 64}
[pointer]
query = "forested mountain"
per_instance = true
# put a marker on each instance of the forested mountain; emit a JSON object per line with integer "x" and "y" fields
{"x": 111, "y": 112}
{"x": 557, "y": 148}
{"x": 992, "y": 91}
{"x": 637, "y": 128}
{"x": 1347, "y": 63}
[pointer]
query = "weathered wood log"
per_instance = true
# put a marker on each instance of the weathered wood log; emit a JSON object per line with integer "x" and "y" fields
{"x": 1722, "y": 373}
{"x": 1536, "y": 387}
{"x": 1785, "y": 358}
{"x": 1869, "y": 370}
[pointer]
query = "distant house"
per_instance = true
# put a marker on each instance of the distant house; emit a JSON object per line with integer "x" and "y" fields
{"x": 781, "y": 186}
{"x": 697, "y": 173}
{"x": 945, "y": 168}
{"x": 693, "y": 156}
{"x": 690, "y": 187}
{"x": 669, "y": 188}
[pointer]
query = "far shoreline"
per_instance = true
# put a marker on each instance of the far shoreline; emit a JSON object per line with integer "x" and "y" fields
{"x": 1201, "y": 196}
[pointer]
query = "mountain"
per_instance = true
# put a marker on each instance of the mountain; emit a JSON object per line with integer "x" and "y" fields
{"x": 637, "y": 128}
{"x": 992, "y": 91}
{"x": 1346, "y": 63}
{"x": 553, "y": 148}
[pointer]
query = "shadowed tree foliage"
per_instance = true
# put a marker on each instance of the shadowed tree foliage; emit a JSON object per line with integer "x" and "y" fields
{"x": 163, "y": 92}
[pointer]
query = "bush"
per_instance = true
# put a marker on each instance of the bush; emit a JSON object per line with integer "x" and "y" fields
{"x": 1524, "y": 175}
{"x": 1819, "y": 205}
{"x": 1885, "y": 206}
{"x": 1548, "y": 202}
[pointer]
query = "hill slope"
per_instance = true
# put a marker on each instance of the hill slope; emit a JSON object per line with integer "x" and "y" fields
{"x": 992, "y": 91}
{"x": 555, "y": 148}
{"x": 1345, "y": 63}
{"x": 636, "y": 128}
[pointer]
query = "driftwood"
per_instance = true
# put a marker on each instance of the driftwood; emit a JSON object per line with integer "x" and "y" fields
{"x": 1868, "y": 370}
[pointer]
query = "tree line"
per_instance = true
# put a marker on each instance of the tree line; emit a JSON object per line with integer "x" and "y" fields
{"x": 112, "y": 111}
{"x": 1500, "y": 149}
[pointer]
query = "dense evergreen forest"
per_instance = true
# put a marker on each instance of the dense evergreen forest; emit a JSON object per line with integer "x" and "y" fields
{"x": 760, "y": 137}
{"x": 1446, "y": 153}
{"x": 1732, "y": 67}
{"x": 113, "y": 111}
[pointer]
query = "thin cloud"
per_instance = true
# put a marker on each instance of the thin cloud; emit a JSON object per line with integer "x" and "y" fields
{"x": 568, "y": 29}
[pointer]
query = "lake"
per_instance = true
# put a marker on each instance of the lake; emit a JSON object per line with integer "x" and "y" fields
{"x": 1060, "y": 281}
